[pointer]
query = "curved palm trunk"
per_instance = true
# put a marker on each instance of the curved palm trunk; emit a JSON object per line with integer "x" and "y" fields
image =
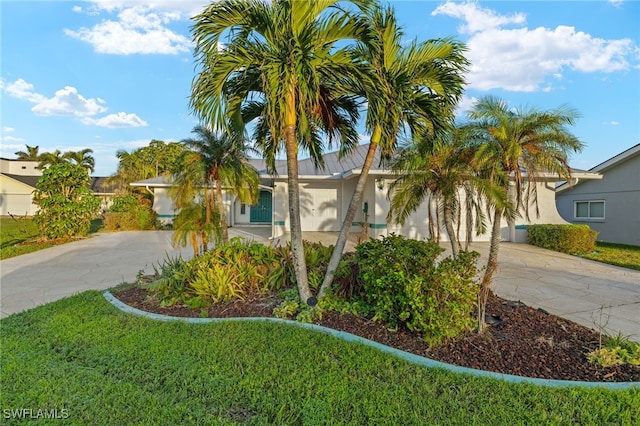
{"x": 336, "y": 256}
{"x": 224, "y": 228}
{"x": 448, "y": 225}
{"x": 297, "y": 247}
{"x": 492, "y": 264}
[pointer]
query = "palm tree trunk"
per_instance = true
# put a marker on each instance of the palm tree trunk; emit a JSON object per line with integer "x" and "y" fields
{"x": 336, "y": 256}
{"x": 492, "y": 264}
{"x": 224, "y": 228}
{"x": 448, "y": 225}
{"x": 297, "y": 247}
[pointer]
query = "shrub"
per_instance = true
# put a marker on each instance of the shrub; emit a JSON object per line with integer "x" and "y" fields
{"x": 67, "y": 204}
{"x": 128, "y": 213}
{"x": 404, "y": 285}
{"x": 617, "y": 350}
{"x": 570, "y": 239}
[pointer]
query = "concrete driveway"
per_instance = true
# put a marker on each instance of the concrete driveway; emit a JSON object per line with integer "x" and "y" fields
{"x": 592, "y": 294}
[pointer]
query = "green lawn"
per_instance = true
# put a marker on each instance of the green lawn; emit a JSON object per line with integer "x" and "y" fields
{"x": 616, "y": 254}
{"x": 20, "y": 236}
{"x": 102, "y": 366}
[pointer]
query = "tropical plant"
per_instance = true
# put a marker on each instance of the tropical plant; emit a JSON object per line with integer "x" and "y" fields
{"x": 409, "y": 87}
{"x": 189, "y": 226}
{"x": 82, "y": 158}
{"x": 51, "y": 159}
{"x": 281, "y": 61}
{"x": 519, "y": 146}
{"x": 67, "y": 204}
{"x": 31, "y": 154}
{"x": 441, "y": 171}
{"x": 216, "y": 161}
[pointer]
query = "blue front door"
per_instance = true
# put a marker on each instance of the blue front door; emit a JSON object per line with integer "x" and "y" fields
{"x": 261, "y": 212}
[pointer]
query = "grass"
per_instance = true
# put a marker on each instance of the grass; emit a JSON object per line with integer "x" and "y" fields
{"x": 19, "y": 235}
{"x": 103, "y": 366}
{"x": 616, "y": 254}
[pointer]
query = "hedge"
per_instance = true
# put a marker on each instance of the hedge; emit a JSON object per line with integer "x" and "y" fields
{"x": 570, "y": 239}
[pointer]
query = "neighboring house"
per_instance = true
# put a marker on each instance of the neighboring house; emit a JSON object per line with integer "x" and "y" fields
{"x": 18, "y": 180}
{"x": 611, "y": 205}
{"x": 325, "y": 196}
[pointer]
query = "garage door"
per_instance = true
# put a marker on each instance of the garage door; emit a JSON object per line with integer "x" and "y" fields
{"x": 319, "y": 209}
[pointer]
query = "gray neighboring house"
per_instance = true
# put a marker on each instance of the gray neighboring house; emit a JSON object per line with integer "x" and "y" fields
{"x": 18, "y": 179}
{"x": 610, "y": 205}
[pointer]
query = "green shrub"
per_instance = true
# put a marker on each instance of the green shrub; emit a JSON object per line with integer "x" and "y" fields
{"x": 128, "y": 213}
{"x": 570, "y": 239}
{"x": 404, "y": 285}
{"x": 67, "y": 204}
{"x": 616, "y": 350}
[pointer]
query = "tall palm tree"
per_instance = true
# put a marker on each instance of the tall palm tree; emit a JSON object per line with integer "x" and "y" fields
{"x": 51, "y": 159}
{"x": 520, "y": 146}
{"x": 441, "y": 170}
{"x": 31, "y": 154}
{"x": 217, "y": 161}
{"x": 410, "y": 87}
{"x": 82, "y": 158}
{"x": 289, "y": 49}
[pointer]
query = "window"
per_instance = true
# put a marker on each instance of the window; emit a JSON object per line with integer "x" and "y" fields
{"x": 243, "y": 208}
{"x": 589, "y": 209}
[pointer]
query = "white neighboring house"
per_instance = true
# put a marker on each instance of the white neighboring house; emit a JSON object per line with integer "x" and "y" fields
{"x": 325, "y": 196}
{"x": 18, "y": 180}
{"x": 611, "y": 205}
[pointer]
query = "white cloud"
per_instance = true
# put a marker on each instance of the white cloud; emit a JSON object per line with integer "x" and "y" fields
{"x": 465, "y": 104}
{"x": 69, "y": 102}
{"x": 120, "y": 119}
{"x": 138, "y": 30}
{"x": 8, "y": 129}
{"x": 11, "y": 139}
{"x": 523, "y": 59}
{"x": 616, "y": 3}
{"x": 22, "y": 90}
{"x": 611, "y": 123}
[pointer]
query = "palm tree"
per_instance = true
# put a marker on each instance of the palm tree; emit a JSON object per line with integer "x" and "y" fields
{"x": 413, "y": 87}
{"x": 82, "y": 158}
{"x": 216, "y": 161}
{"x": 520, "y": 146}
{"x": 281, "y": 55}
{"x": 30, "y": 155}
{"x": 441, "y": 170}
{"x": 189, "y": 226}
{"x": 51, "y": 159}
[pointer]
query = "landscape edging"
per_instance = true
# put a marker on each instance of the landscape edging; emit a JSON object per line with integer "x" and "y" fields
{"x": 412, "y": 358}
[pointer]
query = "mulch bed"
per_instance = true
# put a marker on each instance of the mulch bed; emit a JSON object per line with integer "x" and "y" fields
{"x": 524, "y": 341}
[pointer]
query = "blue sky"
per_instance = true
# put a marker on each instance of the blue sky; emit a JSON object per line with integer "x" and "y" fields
{"x": 111, "y": 75}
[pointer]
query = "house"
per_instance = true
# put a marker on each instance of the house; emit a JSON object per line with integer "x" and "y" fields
{"x": 18, "y": 180}
{"x": 611, "y": 205}
{"x": 325, "y": 196}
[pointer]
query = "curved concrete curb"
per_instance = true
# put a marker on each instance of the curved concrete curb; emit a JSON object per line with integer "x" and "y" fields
{"x": 415, "y": 359}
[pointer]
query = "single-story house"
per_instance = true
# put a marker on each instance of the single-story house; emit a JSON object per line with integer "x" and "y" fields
{"x": 325, "y": 196}
{"x": 610, "y": 205}
{"x": 18, "y": 179}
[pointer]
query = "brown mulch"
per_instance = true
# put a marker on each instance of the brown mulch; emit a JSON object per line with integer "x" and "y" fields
{"x": 524, "y": 341}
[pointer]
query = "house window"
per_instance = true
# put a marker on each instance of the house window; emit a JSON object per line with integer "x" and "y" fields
{"x": 589, "y": 209}
{"x": 243, "y": 208}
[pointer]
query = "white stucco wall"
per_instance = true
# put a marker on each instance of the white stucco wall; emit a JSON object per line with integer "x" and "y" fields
{"x": 16, "y": 198}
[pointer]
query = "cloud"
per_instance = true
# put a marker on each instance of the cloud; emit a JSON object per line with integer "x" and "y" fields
{"x": 118, "y": 120}
{"x": 8, "y": 129}
{"x": 611, "y": 123}
{"x": 68, "y": 102}
{"x": 137, "y": 30}
{"x": 11, "y": 139}
{"x": 523, "y": 59}
{"x": 616, "y": 3}
{"x": 465, "y": 104}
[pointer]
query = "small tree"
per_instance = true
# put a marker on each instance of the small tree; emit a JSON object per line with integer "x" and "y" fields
{"x": 66, "y": 202}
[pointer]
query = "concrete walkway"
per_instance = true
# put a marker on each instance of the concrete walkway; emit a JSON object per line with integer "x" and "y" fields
{"x": 592, "y": 294}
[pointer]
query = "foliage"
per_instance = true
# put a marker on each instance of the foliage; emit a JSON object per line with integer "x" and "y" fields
{"x": 616, "y": 350}
{"x": 565, "y": 238}
{"x": 82, "y": 354}
{"x": 616, "y": 254}
{"x": 229, "y": 271}
{"x": 129, "y": 213}
{"x": 67, "y": 204}
{"x": 156, "y": 159}
{"x": 406, "y": 286}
